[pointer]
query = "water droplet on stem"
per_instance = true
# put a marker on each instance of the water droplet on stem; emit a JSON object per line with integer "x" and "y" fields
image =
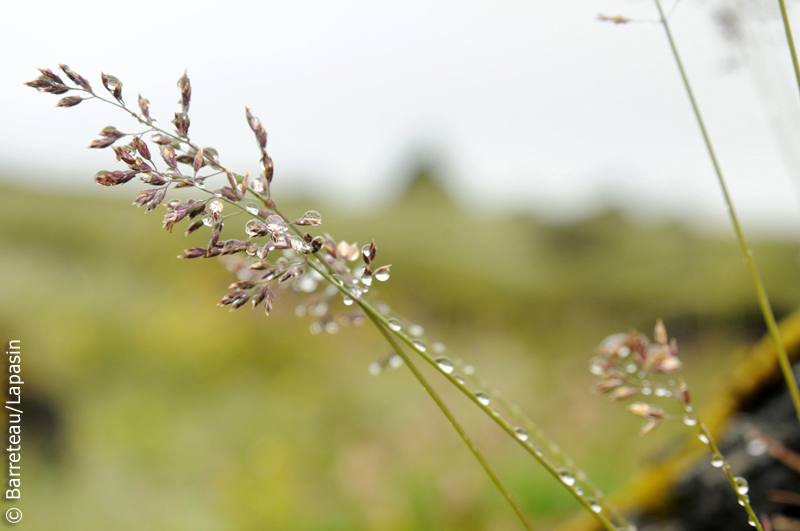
{"x": 742, "y": 487}
{"x": 445, "y": 364}
{"x": 566, "y": 477}
{"x": 482, "y": 397}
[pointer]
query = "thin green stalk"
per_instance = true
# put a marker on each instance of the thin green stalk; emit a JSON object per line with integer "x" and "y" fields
{"x": 376, "y": 316}
{"x": 447, "y": 413}
{"x": 743, "y": 498}
{"x": 790, "y": 39}
{"x": 763, "y": 301}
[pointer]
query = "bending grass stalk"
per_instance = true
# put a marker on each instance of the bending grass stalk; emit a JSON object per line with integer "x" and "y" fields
{"x": 537, "y": 433}
{"x": 763, "y": 301}
{"x": 790, "y": 39}
{"x": 447, "y": 413}
{"x": 744, "y": 499}
{"x": 378, "y": 318}
{"x": 381, "y": 322}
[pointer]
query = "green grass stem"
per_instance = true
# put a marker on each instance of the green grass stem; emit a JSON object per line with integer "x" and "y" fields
{"x": 380, "y": 319}
{"x": 790, "y": 39}
{"x": 763, "y": 301}
{"x": 447, "y": 413}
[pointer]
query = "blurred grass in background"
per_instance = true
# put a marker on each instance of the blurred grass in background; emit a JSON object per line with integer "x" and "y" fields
{"x": 148, "y": 407}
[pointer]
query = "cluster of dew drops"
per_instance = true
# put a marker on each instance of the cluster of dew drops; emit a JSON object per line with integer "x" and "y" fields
{"x": 356, "y": 278}
{"x": 416, "y": 333}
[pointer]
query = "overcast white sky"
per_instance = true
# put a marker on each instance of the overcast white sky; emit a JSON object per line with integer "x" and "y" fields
{"x": 532, "y": 105}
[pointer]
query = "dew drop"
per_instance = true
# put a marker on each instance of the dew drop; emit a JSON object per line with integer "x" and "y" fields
{"x": 482, "y": 397}
{"x": 300, "y": 310}
{"x": 384, "y": 275}
{"x": 319, "y": 309}
{"x": 347, "y": 300}
{"x": 395, "y": 361}
{"x": 495, "y": 413}
{"x": 306, "y": 284}
{"x": 459, "y": 379}
{"x": 566, "y": 477}
{"x": 522, "y": 435}
{"x": 252, "y": 208}
{"x": 331, "y": 327}
{"x": 375, "y": 368}
{"x": 578, "y": 491}
{"x": 438, "y": 347}
{"x": 299, "y": 244}
{"x": 740, "y": 502}
{"x": 595, "y": 505}
{"x": 445, "y": 364}
{"x": 631, "y": 368}
{"x": 366, "y": 280}
{"x": 275, "y": 224}
{"x": 200, "y": 184}
{"x": 646, "y": 390}
{"x": 469, "y": 370}
{"x": 365, "y": 251}
{"x": 703, "y": 438}
{"x": 742, "y": 487}
{"x": 662, "y": 392}
{"x": 717, "y": 461}
{"x": 689, "y": 420}
{"x": 756, "y": 447}
{"x": 252, "y": 227}
{"x": 624, "y": 352}
{"x": 258, "y": 185}
{"x": 215, "y": 206}
{"x": 208, "y": 221}
{"x": 394, "y": 324}
{"x": 313, "y": 215}
{"x": 597, "y": 366}
{"x": 419, "y": 345}
{"x": 751, "y": 522}
{"x": 315, "y": 328}
{"x": 538, "y": 451}
{"x": 415, "y": 330}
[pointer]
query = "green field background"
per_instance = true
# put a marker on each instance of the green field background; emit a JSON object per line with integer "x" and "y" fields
{"x": 147, "y": 407}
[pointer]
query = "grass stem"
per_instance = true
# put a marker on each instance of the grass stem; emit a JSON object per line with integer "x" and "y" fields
{"x": 447, "y": 413}
{"x": 790, "y": 39}
{"x": 763, "y": 301}
{"x": 378, "y": 319}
